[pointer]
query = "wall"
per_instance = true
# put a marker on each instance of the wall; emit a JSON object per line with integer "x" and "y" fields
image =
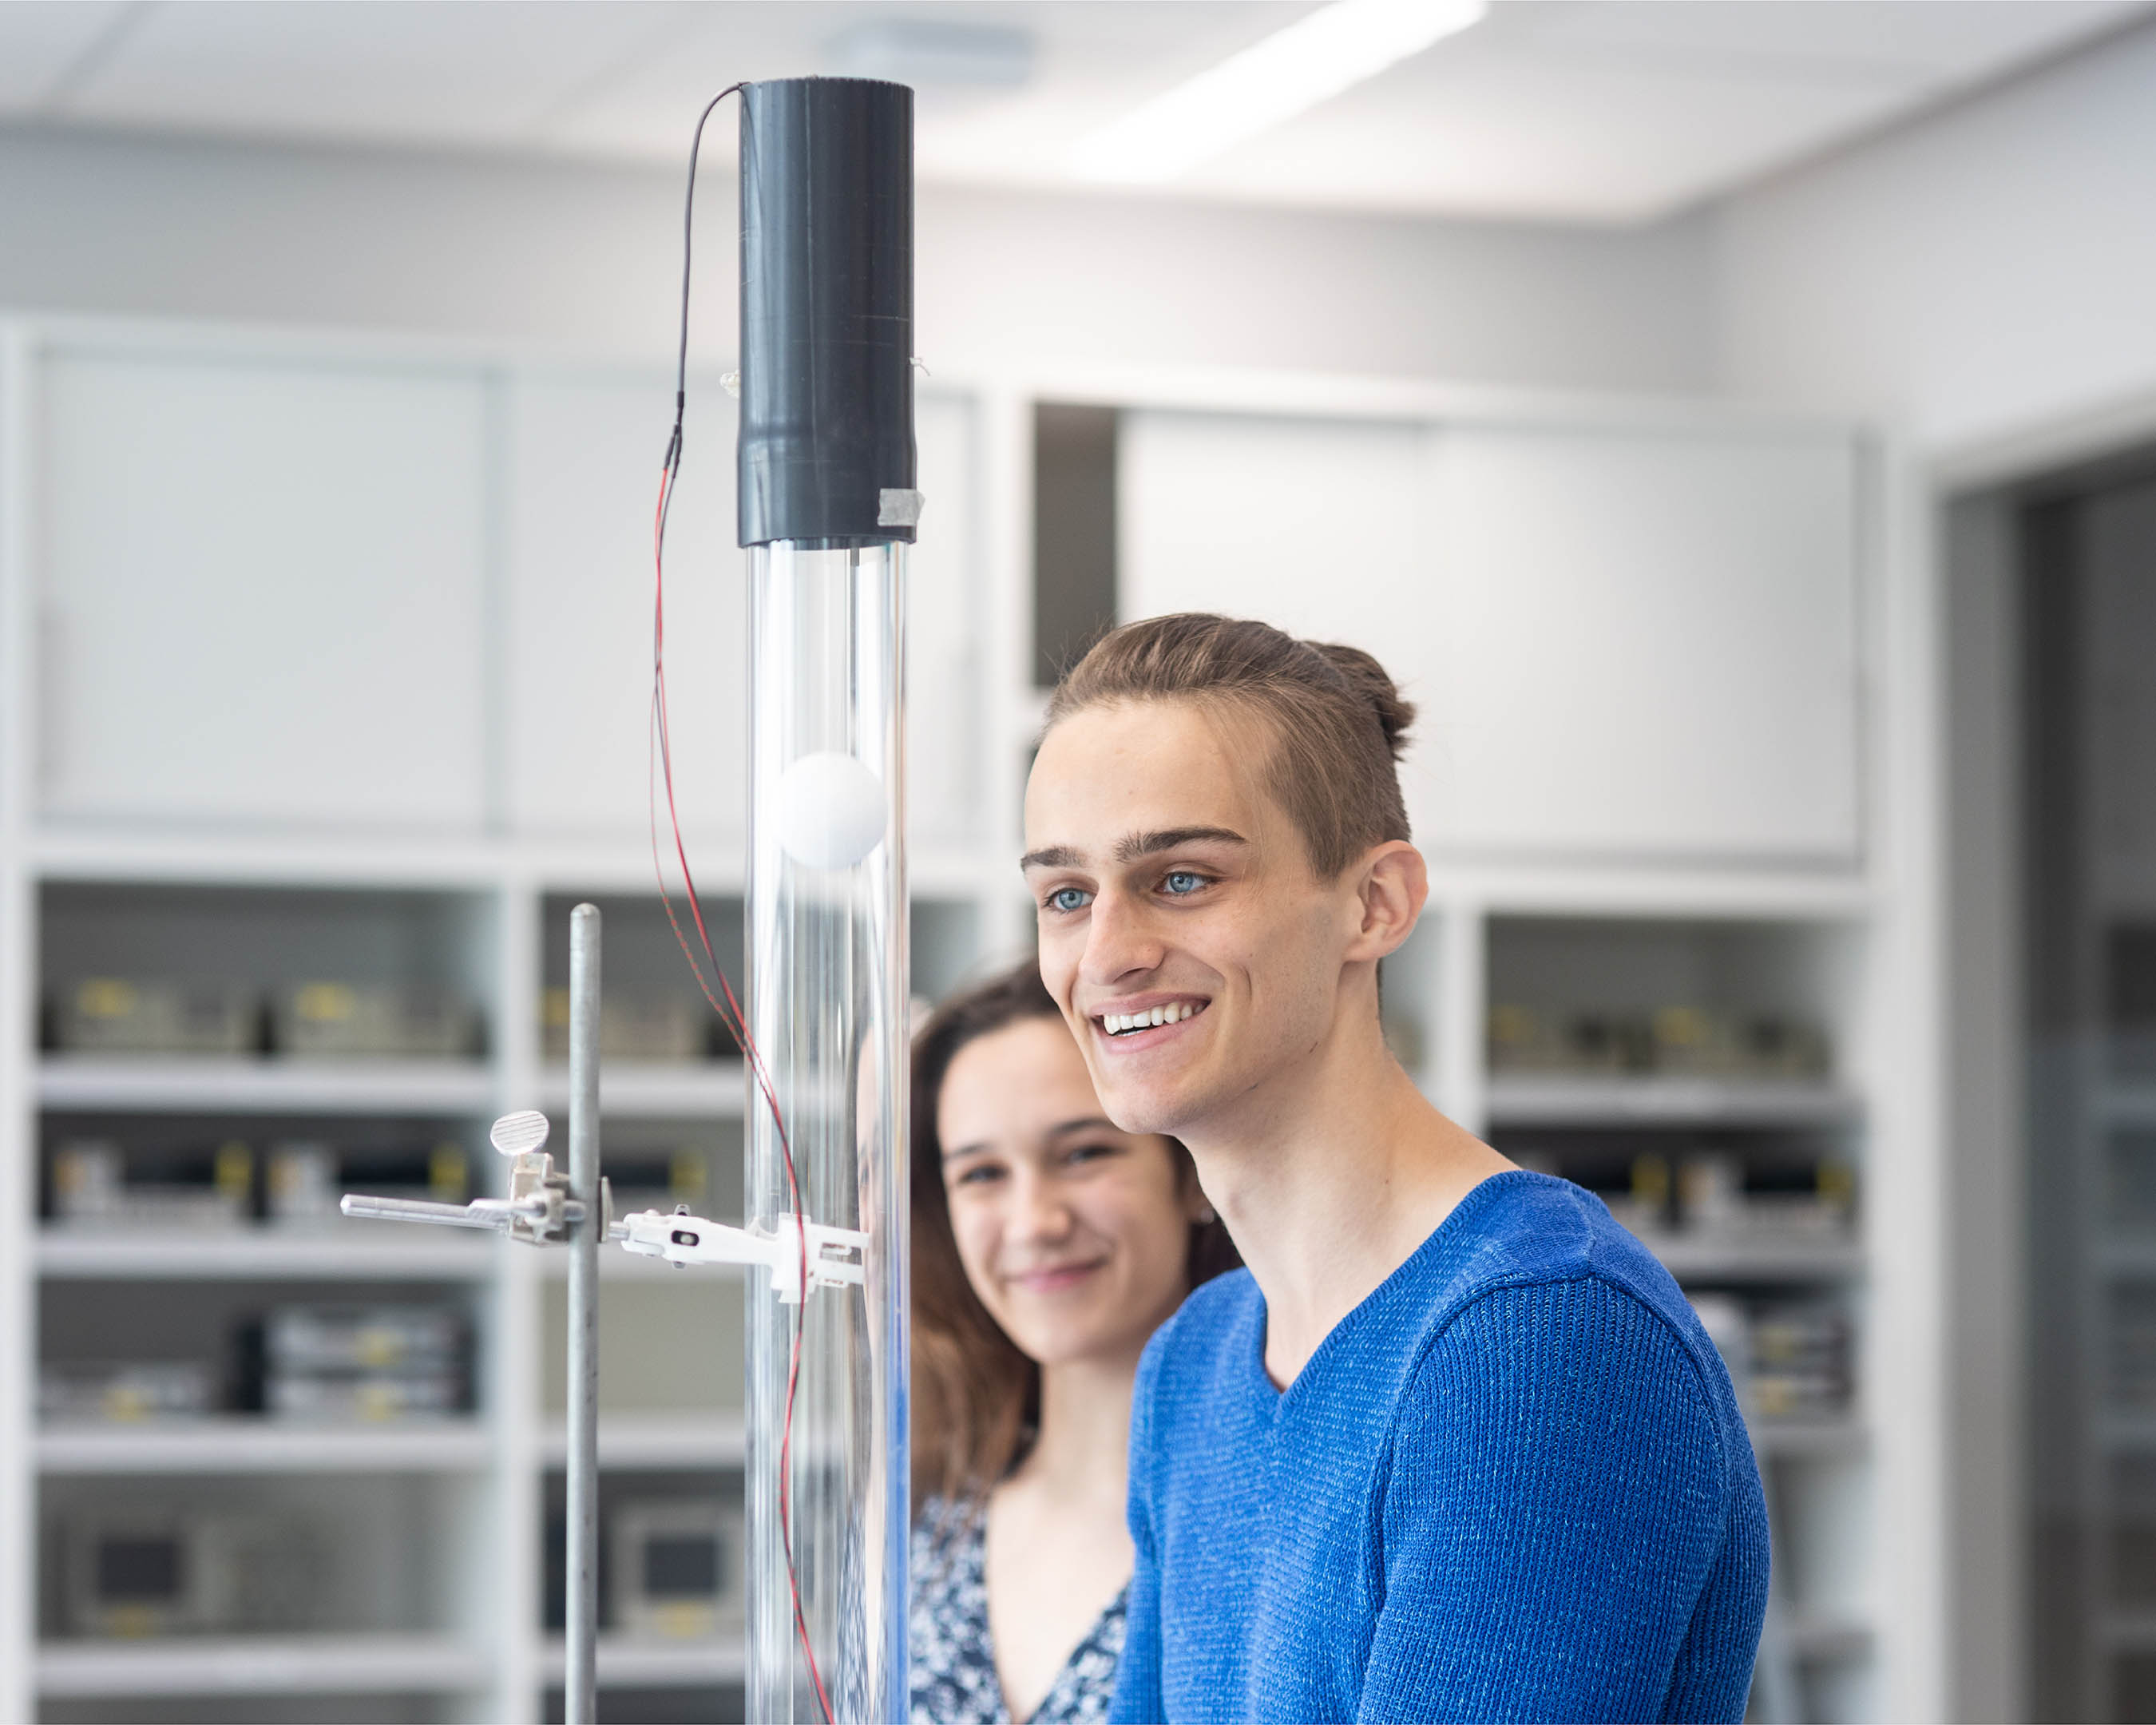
{"x": 1980, "y": 273}
{"x": 587, "y": 258}
{"x": 1985, "y": 274}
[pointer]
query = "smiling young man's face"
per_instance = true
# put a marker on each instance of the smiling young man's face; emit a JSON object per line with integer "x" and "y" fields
{"x": 1194, "y": 952}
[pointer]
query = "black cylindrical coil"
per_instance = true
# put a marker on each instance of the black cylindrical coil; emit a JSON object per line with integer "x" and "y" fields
{"x": 827, "y": 451}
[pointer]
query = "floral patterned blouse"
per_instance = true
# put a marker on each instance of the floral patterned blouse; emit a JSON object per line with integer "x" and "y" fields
{"x": 954, "y": 1679}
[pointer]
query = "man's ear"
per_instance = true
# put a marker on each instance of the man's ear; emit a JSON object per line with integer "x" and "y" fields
{"x": 1392, "y": 886}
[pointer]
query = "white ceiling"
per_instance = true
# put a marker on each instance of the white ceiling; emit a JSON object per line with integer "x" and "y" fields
{"x": 1591, "y": 111}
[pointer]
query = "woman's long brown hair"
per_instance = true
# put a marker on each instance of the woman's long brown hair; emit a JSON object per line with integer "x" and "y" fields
{"x": 975, "y": 1395}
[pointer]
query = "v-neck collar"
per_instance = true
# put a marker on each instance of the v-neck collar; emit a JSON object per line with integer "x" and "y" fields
{"x": 1272, "y": 1400}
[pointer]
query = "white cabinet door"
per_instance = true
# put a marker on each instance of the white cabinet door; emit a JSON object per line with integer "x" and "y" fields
{"x": 1645, "y": 644}
{"x": 584, "y": 454}
{"x": 1320, "y": 527}
{"x": 1622, "y": 642}
{"x": 262, "y": 594}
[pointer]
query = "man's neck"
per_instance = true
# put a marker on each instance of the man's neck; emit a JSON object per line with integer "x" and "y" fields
{"x": 1330, "y": 1177}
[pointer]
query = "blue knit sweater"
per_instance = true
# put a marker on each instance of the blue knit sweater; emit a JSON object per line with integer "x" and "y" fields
{"x": 1511, "y": 1484}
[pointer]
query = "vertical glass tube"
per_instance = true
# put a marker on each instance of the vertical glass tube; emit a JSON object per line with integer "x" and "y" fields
{"x": 827, "y": 1007}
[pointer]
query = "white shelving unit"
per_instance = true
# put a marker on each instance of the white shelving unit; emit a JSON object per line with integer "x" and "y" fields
{"x": 542, "y": 802}
{"x": 659, "y": 1443}
{"x": 633, "y": 1091}
{"x": 106, "y": 1084}
{"x": 1516, "y": 1101}
{"x": 265, "y": 1254}
{"x": 234, "y": 1446}
{"x": 280, "y": 1665}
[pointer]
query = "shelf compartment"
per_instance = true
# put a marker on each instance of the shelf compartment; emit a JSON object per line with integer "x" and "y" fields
{"x": 267, "y": 1664}
{"x": 2126, "y": 1431}
{"x": 1520, "y": 1099}
{"x": 1822, "y": 1635}
{"x": 264, "y": 1254}
{"x": 646, "y": 1091}
{"x": 1749, "y": 1261}
{"x": 2126, "y": 1256}
{"x": 253, "y": 1446}
{"x": 627, "y": 1664}
{"x": 1817, "y": 1438}
{"x": 618, "y": 1265}
{"x": 2127, "y": 1103}
{"x": 2127, "y": 1628}
{"x": 628, "y": 1442}
{"x": 266, "y": 1085}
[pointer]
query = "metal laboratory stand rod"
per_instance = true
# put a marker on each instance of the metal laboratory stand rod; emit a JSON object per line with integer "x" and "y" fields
{"x": 580, "y": 1686}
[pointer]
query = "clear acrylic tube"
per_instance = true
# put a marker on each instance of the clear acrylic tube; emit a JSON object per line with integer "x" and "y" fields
{"x": 827, "y": 1008}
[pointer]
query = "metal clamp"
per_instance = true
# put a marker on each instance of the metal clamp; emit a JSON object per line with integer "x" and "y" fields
{"x": 538, "y": 1211}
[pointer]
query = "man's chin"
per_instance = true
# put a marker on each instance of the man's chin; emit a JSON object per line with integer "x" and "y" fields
{"x": 1144, "y": 1108}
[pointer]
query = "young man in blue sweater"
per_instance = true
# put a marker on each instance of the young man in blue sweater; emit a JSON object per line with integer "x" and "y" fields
{"x": 1454, "y": 1446}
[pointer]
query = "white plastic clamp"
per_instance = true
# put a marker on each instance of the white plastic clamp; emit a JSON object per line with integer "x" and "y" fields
{"x": 833, "y": 1258}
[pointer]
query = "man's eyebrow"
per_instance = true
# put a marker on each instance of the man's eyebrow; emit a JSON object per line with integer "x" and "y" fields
{"x": 1134, "y": 846}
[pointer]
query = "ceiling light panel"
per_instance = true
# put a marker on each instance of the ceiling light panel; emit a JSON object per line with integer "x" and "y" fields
{"x": 1313, "y": 60}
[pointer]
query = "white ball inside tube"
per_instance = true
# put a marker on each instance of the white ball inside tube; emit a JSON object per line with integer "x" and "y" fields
{"x": 832, "y": 810}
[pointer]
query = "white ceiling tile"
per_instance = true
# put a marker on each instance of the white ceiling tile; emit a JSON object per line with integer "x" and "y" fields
{"x": 1553, "y": 140}
{"x": 1567, "y": 109}
{"x": 42, "y": 41}
{"x": 1094, "y": 59}
{"x": 1620, "y": 110}
{"x": 434, "y": 73}
{"x": 1823, "y": 40}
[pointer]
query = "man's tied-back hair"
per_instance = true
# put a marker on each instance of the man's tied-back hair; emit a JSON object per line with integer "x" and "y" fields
{"x": 1338, "y": 725}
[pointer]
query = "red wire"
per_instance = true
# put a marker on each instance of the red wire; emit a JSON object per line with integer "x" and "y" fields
{"x": 737, "y": 1023}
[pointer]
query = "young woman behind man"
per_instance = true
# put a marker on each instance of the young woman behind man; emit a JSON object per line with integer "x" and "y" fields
{"x": 1048, "y": 1246}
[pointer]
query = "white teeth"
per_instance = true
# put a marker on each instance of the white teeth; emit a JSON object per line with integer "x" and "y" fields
{"x": 1119, "y": 1024}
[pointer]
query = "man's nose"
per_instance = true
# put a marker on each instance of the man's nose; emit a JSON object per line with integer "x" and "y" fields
{"x": 1120, "y": 940}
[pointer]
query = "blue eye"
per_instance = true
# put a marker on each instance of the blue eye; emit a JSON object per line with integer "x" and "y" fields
{"x": 1181, "y": 881}
{"x": 1068, "y": 899}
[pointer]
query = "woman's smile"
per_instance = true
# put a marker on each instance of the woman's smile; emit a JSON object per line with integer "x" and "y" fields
{"x": 1056, "y": 1278}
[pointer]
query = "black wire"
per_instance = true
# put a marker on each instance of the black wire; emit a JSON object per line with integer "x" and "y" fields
{"x": 671, "y": 473}
{"x": 688, "y": 243}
